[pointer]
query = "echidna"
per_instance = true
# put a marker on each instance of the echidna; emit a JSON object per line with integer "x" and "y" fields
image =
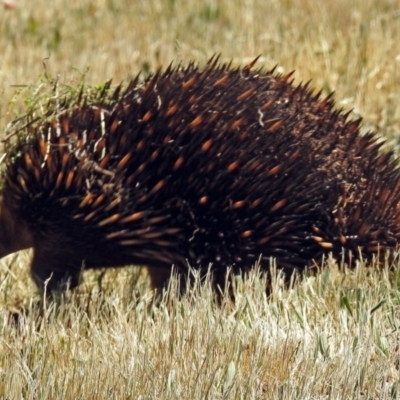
{"x": 198, "y": 166}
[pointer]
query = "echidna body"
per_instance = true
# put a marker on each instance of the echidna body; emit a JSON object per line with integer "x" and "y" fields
{"x": 214, "y": 166}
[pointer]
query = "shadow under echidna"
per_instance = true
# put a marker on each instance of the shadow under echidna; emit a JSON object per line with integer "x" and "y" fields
{"x": 197, "y": 166}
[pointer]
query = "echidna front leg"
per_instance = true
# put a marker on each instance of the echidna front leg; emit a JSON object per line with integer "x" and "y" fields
{"x": 53, "y": 274}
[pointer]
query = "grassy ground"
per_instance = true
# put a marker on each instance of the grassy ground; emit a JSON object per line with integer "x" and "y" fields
{"x": 334, "y": 336}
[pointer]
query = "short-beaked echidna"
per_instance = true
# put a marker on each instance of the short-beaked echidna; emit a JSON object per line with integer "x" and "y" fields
{"x": 198, "y": 166}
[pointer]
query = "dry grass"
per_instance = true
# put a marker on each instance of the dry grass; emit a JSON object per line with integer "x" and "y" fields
{"x": 335, "y": 336}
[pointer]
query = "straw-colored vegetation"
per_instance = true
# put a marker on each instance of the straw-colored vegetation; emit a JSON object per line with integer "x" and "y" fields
{"x": 333, "y": 336}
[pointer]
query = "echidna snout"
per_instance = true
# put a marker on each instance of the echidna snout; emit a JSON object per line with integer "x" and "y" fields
{"x": 14, "y": 235}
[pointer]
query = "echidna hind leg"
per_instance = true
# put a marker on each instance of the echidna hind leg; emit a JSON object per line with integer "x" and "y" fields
{"x": 53, "y": 276}
{"x": 159, "y": 277}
